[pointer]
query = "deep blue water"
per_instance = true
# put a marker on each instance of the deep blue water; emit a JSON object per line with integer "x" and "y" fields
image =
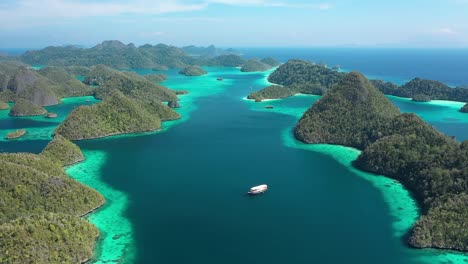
{"x": 13, "y": 51}
{"x": 399, "y": 65}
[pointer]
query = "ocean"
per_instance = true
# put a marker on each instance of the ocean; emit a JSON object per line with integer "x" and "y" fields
{"x": 179, "y": 195}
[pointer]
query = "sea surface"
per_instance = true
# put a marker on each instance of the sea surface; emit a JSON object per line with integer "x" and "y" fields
{"x": 178, "y": 195}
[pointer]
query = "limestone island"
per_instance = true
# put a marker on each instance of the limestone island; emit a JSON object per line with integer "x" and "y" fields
{"x": 44, "y": 210}
{"x": 16, "y": 134}
{"x": 230, "y": 60}
{"x": 298, "y": 76}
{"x": 423, "y": 90}
{"x": 64, "y": 151}
{"x": 431, "y": 165}
{"x": 23, "y": 107}
{"x": 192, "y": 71}
{"x": 44, "y": 87}
{"x": 464, "y": 109}
{"x": 254, "y": 65}
{"x": 272, "y": 92}
{"x": 116, "y": 114}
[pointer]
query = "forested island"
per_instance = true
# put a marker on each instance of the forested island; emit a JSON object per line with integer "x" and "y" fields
{"x": 423, "y": 90}
{"x": 193, "y": 71}
{"x": 210, "y": 51}
{"x": 116, "y": 114}
{"x": 254, "y": 65}
{"x": 40, "y": 220}
{"x": 298, "y": 76}
{"x": 401, "y": 146}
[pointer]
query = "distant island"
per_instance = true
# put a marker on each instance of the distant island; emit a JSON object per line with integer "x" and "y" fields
{"x": 423, "y": 90}
{"x": 254, "y": 65}
{"x": 192, "y": 71}
{"x": 300, "y": 76}
{"x": 210, "y": 51}
{"x": 401, "y": 146}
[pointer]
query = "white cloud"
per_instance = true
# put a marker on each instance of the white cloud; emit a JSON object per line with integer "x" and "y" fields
{"x": 34, "y": 13}
{"x": 267, "y": 3}
{"x": 446, "y": 31}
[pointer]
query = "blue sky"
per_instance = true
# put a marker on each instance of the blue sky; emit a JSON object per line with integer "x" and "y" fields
{"x": 236, "y": 23}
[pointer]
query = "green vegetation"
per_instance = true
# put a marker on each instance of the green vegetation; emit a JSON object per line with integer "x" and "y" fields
{"x": 40, "y": 208}
{"x": 301, "y": 73}
{"x": 76, "y": 70}
{"x": 157, "y": 78}
{"x": 64, "y": 84}
{"x": 64, "y": 151}
{"x": 272, "y": 92}
{"x": 116, "y": 114}
{"x": 3, "y": 105}
{"x": 270, "y": 61}
{"x": 24, "y": 107}
{"x": 298, "y": 76}
{"x": 111, "y": 53}
{"x": 99, "y": 74}
{"x": 16, "y": 134}
{"x": 426, "y": 89}
{"x": 34, "y": 184}
{"x": 402, "y": 146}
{"x": 464, "y": 109}
{"x": 47, "y": 238}
{"x": 43, "y": 88}
{"x": 225, "y": 61}
{"x": 350, "y": 114}
{"x": 28, "y": 84}
{"x": 255, "y": 65}
{"x": 193, "y": 71}
{"x": 147, "y": 93}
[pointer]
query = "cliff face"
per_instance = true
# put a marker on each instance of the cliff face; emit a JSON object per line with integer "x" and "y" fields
{"x": 29, "y": 85}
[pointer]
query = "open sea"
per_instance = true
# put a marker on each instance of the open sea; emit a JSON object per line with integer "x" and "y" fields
{"x": 178, "y": 195}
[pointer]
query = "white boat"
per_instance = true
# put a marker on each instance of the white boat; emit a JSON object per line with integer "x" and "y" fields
{"x": 258, "y": 189}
